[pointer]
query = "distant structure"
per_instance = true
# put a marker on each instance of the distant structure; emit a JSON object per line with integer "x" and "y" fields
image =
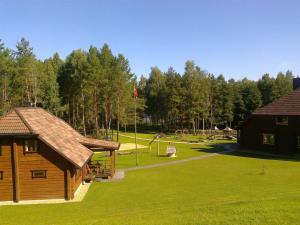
{"x": 42, "y": 157}
{"x": 275, "y": 127}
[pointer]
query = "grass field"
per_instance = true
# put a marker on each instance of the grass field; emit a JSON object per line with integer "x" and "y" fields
{"x": 235, "y": 189}
{"x": 145, "y": 157}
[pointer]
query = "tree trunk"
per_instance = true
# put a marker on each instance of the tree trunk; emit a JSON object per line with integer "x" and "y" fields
{"x": 27, "y": 91}
{"x": 194, "y": 127}
{"x": 106, "y": 121}
{"x": 95, "y": 106}
{"x": 118, "y": 119}
{"x": 83, "y": 113}
{"x": 74, "y": 114}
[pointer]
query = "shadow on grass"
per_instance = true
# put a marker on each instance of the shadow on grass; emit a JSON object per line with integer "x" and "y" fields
{"x": 212, "y": 148}
{"x": 219, "y": 148}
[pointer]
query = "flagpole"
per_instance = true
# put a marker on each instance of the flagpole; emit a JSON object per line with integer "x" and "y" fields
{"x": 136, "y": 151}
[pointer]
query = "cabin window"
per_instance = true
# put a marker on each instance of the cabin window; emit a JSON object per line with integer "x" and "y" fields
{"x": 39, "y": 173}
{"x": 282, "y": 120}
{"x": 268, "y": 139}
{"x": 30, "y": 146}
{"x": 1, "y": 175}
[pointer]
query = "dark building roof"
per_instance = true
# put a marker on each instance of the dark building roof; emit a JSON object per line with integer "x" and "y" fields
{"x": 54, "y": 132}
{"x": 288, "y": 105}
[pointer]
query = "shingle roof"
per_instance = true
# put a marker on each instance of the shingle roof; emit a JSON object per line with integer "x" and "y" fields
{"x": 288, "y": 105}
{"x": 53, "y": 131}
{"x": 12, "y": 123}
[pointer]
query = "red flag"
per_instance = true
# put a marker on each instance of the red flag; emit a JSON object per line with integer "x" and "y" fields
{"x": 135, "y": 92}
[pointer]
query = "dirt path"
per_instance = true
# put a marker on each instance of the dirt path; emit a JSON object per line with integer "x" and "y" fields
{"x": 227, "y": 149}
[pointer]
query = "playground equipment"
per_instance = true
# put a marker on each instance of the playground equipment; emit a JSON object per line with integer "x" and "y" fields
{"x": 156, "y": 138}
{"x": 170, "y": 151}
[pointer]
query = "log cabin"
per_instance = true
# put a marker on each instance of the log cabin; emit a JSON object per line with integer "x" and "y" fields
{"x": 274, "y": 128}
{"x": 42, "y": 157}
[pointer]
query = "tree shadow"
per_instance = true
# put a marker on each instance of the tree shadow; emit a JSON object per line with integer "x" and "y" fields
{"x": 219, "y": 148}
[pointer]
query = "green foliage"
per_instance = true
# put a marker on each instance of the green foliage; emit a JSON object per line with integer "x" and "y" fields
{"x": 251, "y": 96}
{"x": 93, "y": 91}
{"x": 267, "y": 86}
{"x": 155, "y": 95}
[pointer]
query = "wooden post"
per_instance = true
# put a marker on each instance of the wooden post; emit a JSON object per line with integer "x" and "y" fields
{"x": 112, "y": 158}
{"x": 69, "y": 191}
{"x": 16, "y": 172}
{"x": 82, "y": 171}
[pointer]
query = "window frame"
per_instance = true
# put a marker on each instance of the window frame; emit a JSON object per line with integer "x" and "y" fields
{"x": 268, "y": 136}
{"x": 34, "y": 176}
{"x": 35, "y": 146}
{"x": 282, "y": 120}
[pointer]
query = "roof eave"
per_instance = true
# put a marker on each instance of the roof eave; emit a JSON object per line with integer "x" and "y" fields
{"x": 64, "y": 156}
{"x": 18, "y": 134}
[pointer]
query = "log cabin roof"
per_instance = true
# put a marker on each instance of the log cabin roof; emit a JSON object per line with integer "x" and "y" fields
{"x": 53, "y": 131}
{"x": 12, "y": 123}
{"x": 288, "y": 105}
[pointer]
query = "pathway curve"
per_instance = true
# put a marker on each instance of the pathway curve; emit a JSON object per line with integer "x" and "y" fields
{"x": 227, "y": 149}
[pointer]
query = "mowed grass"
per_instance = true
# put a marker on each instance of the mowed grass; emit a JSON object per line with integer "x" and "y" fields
{"x": 225, "y": 189}
{"x": 128, "y": 158}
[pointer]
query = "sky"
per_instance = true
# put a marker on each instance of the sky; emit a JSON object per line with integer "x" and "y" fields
{"x": 236, "y": 38}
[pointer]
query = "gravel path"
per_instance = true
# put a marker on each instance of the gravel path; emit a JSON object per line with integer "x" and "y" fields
{"x": 227, "y": 149}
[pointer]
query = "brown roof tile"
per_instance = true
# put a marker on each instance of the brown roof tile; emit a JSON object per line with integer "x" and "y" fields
{"x": 11, "y": 123}
{"x": 287, "y": 106}
{"x": 54, "y": 132}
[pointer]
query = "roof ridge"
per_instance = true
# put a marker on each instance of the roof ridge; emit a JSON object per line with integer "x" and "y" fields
{"x": 24, "y": 121}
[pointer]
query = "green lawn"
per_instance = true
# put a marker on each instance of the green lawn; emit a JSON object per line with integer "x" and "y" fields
{"x": 172, "y": 137}
{"x": 145, "y": 157}
{"x": 226, "y": 189}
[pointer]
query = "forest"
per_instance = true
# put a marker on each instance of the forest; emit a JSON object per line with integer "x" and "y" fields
{"x": 93, "y": 91}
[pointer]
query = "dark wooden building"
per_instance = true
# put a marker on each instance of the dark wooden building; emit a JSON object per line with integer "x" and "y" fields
{"x": 42, "y": 157}
{"x": 275, "y": 127}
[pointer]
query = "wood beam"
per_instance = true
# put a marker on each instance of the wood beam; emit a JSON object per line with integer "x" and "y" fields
{"x": 68, "y": 184}
{"x": 16, "y": 171}
{"x": 112, "y": 155}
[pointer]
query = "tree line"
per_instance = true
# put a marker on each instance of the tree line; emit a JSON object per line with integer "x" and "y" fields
{"x": 200, "y": 100}
{"x": 92, "y": 90}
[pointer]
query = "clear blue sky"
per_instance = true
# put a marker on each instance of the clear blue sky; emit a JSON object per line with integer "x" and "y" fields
{"x": 237, "y": 38}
